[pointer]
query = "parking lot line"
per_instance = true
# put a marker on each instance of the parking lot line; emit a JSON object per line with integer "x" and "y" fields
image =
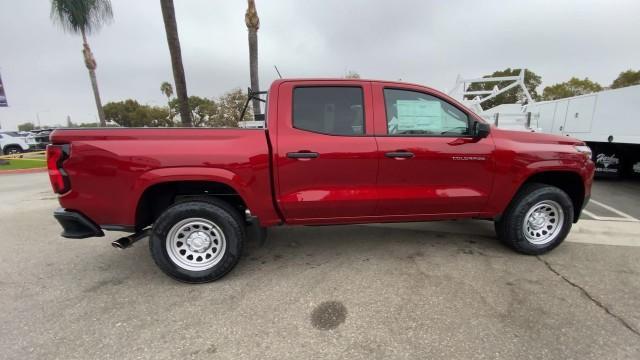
{"x": 607, "y": 218}
{"x": 623, "y": 216}
{"x": 618, "y": 233}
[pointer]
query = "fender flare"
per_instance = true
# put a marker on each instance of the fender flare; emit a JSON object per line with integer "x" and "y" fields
{"x": 539, "y": 167}
{"x": 176, "y": 174}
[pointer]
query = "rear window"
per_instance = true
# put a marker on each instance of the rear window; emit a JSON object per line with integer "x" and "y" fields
{"x": 329, "y": 110}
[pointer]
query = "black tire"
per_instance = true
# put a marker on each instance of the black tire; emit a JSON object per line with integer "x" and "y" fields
{"x": 511, "y": 228}
{"x": 221, "y": 215}
{"x": 12, "y": 149}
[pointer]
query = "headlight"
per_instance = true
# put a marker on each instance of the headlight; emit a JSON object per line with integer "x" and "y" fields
{"x": 584, "y": 149}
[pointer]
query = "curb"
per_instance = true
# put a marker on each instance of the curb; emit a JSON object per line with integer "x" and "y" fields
{"x": 22, "y": 171}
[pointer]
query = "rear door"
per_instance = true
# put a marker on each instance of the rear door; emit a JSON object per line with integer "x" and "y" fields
{"x": 326, "y": 155}
{"x": 429, "y": 162}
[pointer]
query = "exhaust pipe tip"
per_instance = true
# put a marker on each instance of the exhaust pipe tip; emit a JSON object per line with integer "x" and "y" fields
{"x": 121, "y": 243}
{"x": 127, "y": 241}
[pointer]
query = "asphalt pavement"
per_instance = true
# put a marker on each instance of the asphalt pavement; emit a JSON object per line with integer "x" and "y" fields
{"x": 619, "y": 197}
{"x": 445, "y": 290}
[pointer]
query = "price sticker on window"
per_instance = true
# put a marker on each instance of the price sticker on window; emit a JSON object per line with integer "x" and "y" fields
{"x": 419, "y": 115}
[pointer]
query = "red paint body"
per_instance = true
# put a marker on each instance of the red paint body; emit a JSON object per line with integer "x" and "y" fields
{"x": 351, "y": 181}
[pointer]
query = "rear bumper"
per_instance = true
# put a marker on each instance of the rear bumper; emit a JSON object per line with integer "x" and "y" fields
{"x": 75, "y": 225}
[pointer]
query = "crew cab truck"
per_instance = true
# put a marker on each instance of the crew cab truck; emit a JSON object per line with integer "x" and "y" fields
{"x": 333, "y": 152}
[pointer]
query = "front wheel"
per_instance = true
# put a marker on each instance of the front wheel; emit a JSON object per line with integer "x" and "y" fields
{"x": 537, "y": 220}
{"x": 197, "y": 241}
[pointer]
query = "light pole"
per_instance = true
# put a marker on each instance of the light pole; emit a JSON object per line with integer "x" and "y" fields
{"x": 38, "y": 116}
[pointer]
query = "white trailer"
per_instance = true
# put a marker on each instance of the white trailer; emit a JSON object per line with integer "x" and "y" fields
{"x": 608, "y": 121}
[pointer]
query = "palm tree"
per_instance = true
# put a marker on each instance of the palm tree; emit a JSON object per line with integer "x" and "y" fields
{"x": 84, "y": 17}
{"x": 167, "y": 90}
{"x": 253, "y": 24}
{"x": 171, "y": 28}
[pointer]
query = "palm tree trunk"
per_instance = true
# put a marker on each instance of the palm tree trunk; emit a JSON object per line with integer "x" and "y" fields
{"x": 252, "y": 21}
{"x": 171, "y": 28}
{"x": 91, "y": 64}
{"x": 253, "y": 67}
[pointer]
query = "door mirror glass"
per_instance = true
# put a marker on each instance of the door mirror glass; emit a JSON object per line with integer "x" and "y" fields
{"x": 481, "y": 129}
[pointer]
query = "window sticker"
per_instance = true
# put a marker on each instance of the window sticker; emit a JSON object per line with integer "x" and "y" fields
{"x": 419, "y": 115}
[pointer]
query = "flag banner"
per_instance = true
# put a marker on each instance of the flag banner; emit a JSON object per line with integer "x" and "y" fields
{"x": 3, "y": 96}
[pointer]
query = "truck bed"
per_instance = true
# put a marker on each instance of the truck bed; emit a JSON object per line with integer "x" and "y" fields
{"x": 110, "y": 169}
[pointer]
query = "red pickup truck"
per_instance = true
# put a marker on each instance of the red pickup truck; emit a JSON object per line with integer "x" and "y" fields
{"x": 333, "y": 152}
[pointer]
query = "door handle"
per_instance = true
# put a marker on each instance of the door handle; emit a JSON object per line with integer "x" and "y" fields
{"x": 303, "y": 155}
{"x": 400, "y": 154}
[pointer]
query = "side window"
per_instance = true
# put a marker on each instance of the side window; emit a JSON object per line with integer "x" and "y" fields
{"x": 329, "y": 110}
{"x": 415, "y": 113}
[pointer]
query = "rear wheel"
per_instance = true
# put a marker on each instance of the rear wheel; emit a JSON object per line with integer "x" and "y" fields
{"x": 537, "y": 220}
{"x": 197, "y": 241}
{"x": 12, "y": 149}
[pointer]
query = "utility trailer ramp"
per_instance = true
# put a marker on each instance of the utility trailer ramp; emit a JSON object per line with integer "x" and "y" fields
{"x": 461, "y": 90}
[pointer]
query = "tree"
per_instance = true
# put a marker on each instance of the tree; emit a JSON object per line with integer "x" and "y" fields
{"x": 626, "y": 78}
{"x": 573, "y": 87}
{"x": 223, "y": 112}
{"x": 252, "y": 21}
{"x": 171, "y": 28}
{"x": 84, "y": 17}
{"x": 352, "y": 75}
{"x": 531, "y": 82}
{"x": 230, "y": 107}
{"x": 167, "y": 90}
{"x": 28, "y": 126}
{"x": 130, "y": 113}
{"x": 92, "y": 125}
{"x": 202, "y": 110}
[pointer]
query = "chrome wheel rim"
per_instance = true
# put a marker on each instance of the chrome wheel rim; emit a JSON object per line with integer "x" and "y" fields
{"x": 196, "y": 244}
{"x": 543, "y": 222}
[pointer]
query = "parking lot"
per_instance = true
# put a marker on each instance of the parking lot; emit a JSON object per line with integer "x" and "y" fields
{"x": 615, "y": 200}
{"x": 422, "y": 290}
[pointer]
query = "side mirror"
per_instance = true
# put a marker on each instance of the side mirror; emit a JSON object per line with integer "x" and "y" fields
{"x": 481, "y": 129}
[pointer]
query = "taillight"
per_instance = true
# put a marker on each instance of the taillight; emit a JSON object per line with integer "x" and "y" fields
{"x": 56, "y": 155}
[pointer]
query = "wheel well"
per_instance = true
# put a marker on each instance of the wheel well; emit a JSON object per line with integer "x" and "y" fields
{"x": 9, "y": 146}
{"x": 157, "y": 198}
{"x": 569, "y": 182}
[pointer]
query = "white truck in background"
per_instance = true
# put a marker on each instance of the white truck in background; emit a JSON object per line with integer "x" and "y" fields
{"x": 12, "y": 143}
{"x": 608, "y": 121}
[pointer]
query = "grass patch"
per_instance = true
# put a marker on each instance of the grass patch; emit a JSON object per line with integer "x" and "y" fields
{"x": 16, "y": 164}
{"x": 35, "y": 157}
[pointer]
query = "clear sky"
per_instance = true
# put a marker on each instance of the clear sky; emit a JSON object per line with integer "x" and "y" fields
{"x": 428, "y": 42}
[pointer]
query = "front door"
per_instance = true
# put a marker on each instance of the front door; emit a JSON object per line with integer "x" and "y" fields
{"x": 326, "y": 154}
{"x": 429, "y": 162}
